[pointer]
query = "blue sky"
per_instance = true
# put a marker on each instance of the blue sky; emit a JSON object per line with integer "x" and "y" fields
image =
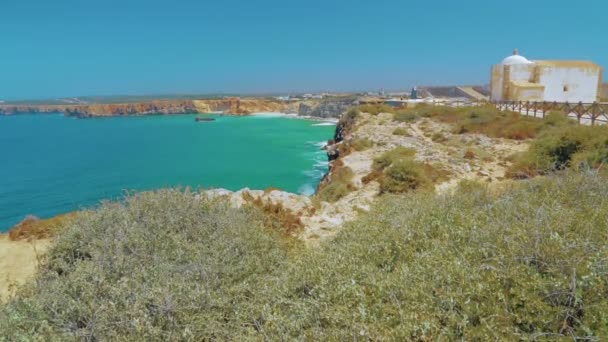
{"x": 91, "y": 47}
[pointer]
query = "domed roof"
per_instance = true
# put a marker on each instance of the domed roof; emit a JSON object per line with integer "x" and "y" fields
{"x": 515, "y": 59}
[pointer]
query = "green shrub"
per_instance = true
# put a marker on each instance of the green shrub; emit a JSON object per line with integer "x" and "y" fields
{"x": 163, "y": 265}
{"x": 339, "y": 185}
{"x": 333, "y": 192}
{"x": 438, "y": 137}
{"x": 362, "y": 144}
{"x": 562, "y": 147}
{"x": 401, "y": 131}
{"x": 403, "y": 176}
{"x": 527, "y": 264}
{"x": 387, "y": 158}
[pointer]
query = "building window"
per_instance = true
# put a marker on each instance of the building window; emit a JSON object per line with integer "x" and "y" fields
{"x": 565, "y": 88}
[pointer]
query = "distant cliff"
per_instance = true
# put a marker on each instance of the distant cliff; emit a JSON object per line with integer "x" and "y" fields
{"x": 228, "y": 105}
{"x": 326, "y": 108}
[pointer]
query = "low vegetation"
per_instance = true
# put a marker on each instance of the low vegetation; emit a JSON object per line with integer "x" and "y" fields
{"x": 34, "y": 228}
{"x": 389, "y": 157}
{"x": 402, "y": 131}
{"x": 398, "y": 172}
{"x": 487, "y": 120}
{"x": 361, "y": 144}
{"x": 338, "y": 186}
{"x": 375, "y": 109}
{"x": 438, "y": 137}
{"x": 527, "y": 264}
{"x": 576, "y": 147}
{"x": 404, "y": 115}
{"x": 276, "y": 216}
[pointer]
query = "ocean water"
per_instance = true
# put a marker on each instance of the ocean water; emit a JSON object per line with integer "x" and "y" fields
{"x": 51, "y": 164}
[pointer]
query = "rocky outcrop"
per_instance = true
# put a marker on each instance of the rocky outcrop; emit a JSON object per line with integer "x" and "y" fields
{"x": 326, "y": 108}
{"x": 235, "y": 106}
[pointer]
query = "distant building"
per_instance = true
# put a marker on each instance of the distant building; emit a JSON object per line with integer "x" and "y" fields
{"x": 519, "y": 79}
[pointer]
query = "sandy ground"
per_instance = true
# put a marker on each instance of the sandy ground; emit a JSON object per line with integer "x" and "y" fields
{"x": 18, "y": 262}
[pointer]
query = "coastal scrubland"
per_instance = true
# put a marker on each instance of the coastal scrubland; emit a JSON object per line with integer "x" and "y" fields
{"x": 457, "y": 230}
{"x": 527, "y": 263}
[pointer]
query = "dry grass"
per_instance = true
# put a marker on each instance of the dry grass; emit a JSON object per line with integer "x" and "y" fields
{"x": 376, "y": 109}
{"x": 277, "y": 217}
{"x": 469, "y": 154}
{"x": 489, "y": 121}
{"x": 33, "y": 228}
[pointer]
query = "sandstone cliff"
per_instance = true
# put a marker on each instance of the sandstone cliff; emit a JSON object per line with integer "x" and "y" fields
{"x": 234, "y": 106}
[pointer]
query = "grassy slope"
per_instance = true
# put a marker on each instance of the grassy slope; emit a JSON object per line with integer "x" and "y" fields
{"x": 531, "y": 262}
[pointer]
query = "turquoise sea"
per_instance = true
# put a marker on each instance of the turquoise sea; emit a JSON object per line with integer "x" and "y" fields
{"x": 52, "y": 164}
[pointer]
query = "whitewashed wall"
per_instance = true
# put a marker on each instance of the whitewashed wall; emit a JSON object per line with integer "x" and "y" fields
{"x": 582, "y": 84}
{"x": 522, "y": 72}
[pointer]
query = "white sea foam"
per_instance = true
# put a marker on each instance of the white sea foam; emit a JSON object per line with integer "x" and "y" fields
{"x": 325, "y": 124}
{"x": 321, "y": 163}
{"x": 306, "y": 189}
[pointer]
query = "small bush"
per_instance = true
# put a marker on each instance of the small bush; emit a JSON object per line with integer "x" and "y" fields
{"x": 403, "y": 176}
{"x": 387, "y": 158}
{"x": 563, "y": 147}
{"x": 469, "y": 154}
{"x": 375, "y": 175}
{"x": 398, "y": 172}
{"x": 333, "y": 192}
{"x": 438, "y": 137}
{"x": 339, "y": 185}
{"x": 402, "y": 131}
{"x": 362, "y": 144}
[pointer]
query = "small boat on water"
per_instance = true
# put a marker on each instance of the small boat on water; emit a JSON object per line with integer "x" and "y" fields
{"x": 199, "y": 119}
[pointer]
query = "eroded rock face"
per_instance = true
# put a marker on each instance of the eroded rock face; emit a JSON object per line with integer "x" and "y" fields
{"x": 327, "y": 108}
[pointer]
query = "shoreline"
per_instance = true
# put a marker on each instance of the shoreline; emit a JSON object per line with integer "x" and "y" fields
{"x": 320, "y": 145}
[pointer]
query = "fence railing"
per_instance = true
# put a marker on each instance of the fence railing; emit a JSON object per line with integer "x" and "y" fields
{"x": 584, "y": 113}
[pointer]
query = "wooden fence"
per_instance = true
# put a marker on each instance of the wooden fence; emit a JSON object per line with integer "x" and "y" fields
{"x": 584, "y": 113}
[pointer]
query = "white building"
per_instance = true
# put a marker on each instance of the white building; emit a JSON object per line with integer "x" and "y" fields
{"x": 519, "y": 79}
